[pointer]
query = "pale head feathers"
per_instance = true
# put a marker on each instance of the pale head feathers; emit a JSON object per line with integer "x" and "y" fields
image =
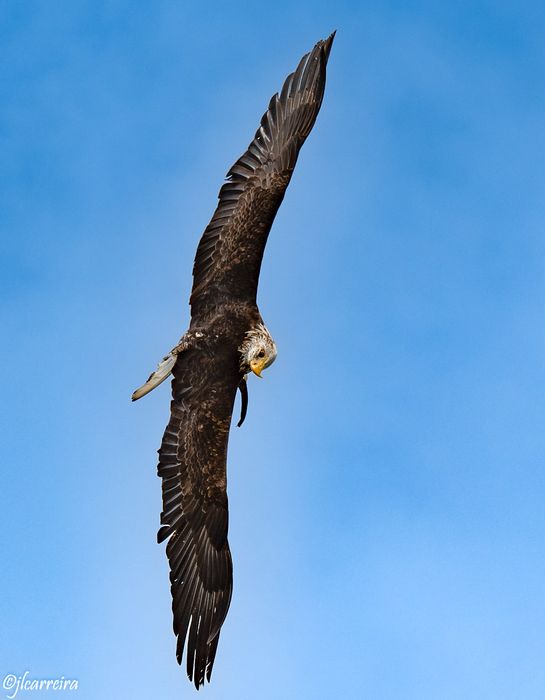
{"x": 258, "y": 348}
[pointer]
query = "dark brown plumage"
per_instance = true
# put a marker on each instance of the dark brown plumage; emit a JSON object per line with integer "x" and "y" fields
{"x": 226, "y": 339}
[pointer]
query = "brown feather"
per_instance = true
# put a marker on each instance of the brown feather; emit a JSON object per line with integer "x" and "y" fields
{"x": 228, "y": 259}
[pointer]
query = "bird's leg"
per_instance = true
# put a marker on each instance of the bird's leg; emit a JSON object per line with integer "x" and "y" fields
{"x": 243, "y": 399}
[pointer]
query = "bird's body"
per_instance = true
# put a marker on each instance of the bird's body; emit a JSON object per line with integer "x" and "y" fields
{"x": 226, "y": 340}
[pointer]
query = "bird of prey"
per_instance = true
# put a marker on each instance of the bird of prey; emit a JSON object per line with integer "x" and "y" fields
{"x": 226, "y": 340}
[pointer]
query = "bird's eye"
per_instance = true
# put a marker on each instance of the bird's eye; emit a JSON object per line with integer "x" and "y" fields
{"x": 261, "y": 353}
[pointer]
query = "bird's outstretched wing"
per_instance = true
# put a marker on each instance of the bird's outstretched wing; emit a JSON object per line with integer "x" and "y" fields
{"x": 228, "y": 259}
{"x": 192, "y": 465}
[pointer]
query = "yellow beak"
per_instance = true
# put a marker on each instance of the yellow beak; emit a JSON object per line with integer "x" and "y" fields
{"x": 257, "y": 366}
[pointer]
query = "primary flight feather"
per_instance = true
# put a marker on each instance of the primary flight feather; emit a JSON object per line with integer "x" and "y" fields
{"x": 226, "y": 340}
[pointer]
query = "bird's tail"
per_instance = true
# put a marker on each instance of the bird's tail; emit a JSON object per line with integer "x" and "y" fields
{"x": 162, "y": 372}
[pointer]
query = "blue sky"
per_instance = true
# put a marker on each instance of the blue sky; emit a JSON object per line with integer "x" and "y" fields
{"x": 387, "y": 488}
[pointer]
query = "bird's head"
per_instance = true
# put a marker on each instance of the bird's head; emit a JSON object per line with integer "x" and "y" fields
{"x": 258, "y": 351}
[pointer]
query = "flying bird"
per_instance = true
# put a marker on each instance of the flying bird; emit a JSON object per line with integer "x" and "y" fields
{"x": 226, "y": 341}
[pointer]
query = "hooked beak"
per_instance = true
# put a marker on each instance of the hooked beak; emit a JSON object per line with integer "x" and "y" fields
{"x": 257, "y": 366}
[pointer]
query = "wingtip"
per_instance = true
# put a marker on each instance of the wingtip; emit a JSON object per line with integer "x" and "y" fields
{"x": 328, "y": 43}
